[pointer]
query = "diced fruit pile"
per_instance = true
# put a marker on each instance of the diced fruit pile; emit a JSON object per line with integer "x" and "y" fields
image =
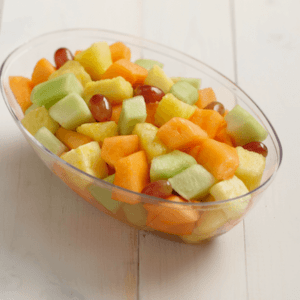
{"x": 154, "y": 134}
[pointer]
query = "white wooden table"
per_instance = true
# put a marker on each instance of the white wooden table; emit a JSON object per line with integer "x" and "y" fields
{"x": 53, "y": 245}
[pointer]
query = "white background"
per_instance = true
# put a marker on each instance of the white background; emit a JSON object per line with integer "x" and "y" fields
{"x": 54, "y": 245}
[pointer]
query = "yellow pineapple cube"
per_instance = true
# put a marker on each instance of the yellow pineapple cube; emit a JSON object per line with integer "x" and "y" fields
{"x": 99, "y": 131}
{"x": 87, "y": 158}
{"x": 115, "y": 90}
{"x": 74, "y": 67}
{"x": 37, "y": 119}
{"x": 148, "y": 140}
{"x": 228, "y": 189}
{"x": 251, "y": 167}
{"x": 170, "y": 107}
{"x": 157, "y": 77}
{"x": 96, "y": 59}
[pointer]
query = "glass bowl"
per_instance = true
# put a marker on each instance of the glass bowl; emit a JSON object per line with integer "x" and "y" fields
{"x": 190, "y": 222}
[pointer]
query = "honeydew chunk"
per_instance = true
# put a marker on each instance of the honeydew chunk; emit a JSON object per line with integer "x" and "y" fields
{"x": 136, "y": 214}
{"x": 74, "y": 67}
{"x": 243, "y": 127}
{"x": 228, "y": 189}
{"x": 148, "y": 64}
{"x": 99, "y": 131}
{"x": 95, "y": 60}
{"x": 192, "y": 183}
{"x": 31, "y": 108}
{"x": 115, "y": 90}
{"x": 148, "y": 140}
{"x": 170, "y": 107}
{"x": 195, "y": 82}
{"x": 50, "y": 141}
{"x": 87, "y": 158}
{"x": 37, "y": 119}
{"x": 133, "y": 112}
{"x": 50, "y": 92}
{"x": 251, "y": 167}
{"x": 168, "y": 165}
{"x": 157, "y": 77}
{"x": 185, "y": 92}
{"x": 71, "y": 111}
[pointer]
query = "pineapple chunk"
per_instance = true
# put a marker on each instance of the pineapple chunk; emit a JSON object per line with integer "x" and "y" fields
{"x": 251, "y": 167}
{"x": 38, "y": 118}
{"x": 228, "y": 189}
{"x": 95, "y": 59}
{"x": 170, "y": 107}
{"x": 148, "y": 140}
{"x": 74, "y": 67}
{"x": 87, "y": 158}
{"x": 157, "y": 77}
{"x": 115, "y": 90}
{"x": 99, "y": 131}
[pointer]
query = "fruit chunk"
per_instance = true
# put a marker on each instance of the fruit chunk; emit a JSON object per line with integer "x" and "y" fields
{"x": 159, "y": 189}
{"x": 96, "y": 59}
{"x": 37, "y": 119}
{"x": 192, "y": 183}
{"x": 228, "y": 189}
{"x": 30, "y": 108}
{"x": 243, "y": 127}
{"x": 71, "y": 138}
{"x": 132, "y": 173}
{"x": 21, "y": 88}
{"x": 41, "y": 72}
{"x": 50, "y": 141}
{"x": 117, "y": 147}
{"x": 98, "y": 131}
{"x": 179, "y": 133}
{"x": 185, "y": 92}
{"x": 206, "y": 96}
{"x": 131, "y": 72}
{"x": 50, "y": 92}
{"x": 151, "y": 111}
{"x": 148, "y": 64}
{"x": 157, "y": 77}
{"x": 87, "y": 158}
{"x": 149, "y": 141}
{"x": 76, "y": 68}
{"x": 219, "y": 159}
{"x": 135, "y": 214}
{"x": 133, "y": 112}
{"x": 118, "y": 50}
{"x": 170, "y": 107}
{"x": 209, "y": 120}
{"x": 115, "y": 90}
{"x": 251, "y": 168}
{"x": 115, "y": 114}
{"x": 195, "y": 82}
{"x": 70, "y": 112}
{"x": 168, "y": 165}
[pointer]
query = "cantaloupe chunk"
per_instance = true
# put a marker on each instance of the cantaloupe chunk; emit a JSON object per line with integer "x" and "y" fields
{"x": 119, "y": 50}
{"x": 151, "y": 110}
{"x": 21, "y": 88}
{"x": 117, "y": 147}
{"x": 42, "y": 71}
{"x": 116, "y": 112}
{"x": 206, "y": 96}
{"x": 179, "y": 133}
{"x": 157, "y": 77}
{"x": 115, "y": 90}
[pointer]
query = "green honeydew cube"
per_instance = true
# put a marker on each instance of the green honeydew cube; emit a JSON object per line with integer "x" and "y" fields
{"x": 136, "y": 214}
{"x": 148, "y": 63}
{"x": 51, "y": 91}
{"x": 168, "y": 165}
{"x": 50, "y": 141}
{"x": 243, "y": 127}
{"x": 185, "y": 92}
{"x": 70, "y": 112}
{"x": 192, "y": 183}
{"x": 133, "y": 112}
{"x": 195, "y": 82}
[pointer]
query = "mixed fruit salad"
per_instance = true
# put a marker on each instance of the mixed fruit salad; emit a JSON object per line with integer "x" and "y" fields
{"x": 132, "y": 125}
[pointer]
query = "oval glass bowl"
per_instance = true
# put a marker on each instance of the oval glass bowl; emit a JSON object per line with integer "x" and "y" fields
{"x": 186, "y": 222}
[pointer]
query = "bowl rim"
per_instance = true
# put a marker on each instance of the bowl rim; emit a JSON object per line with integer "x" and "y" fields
{"x": 108, "y": 184}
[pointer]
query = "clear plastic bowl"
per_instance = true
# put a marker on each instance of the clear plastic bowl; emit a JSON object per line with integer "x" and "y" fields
{"x": 185, "y": 222}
